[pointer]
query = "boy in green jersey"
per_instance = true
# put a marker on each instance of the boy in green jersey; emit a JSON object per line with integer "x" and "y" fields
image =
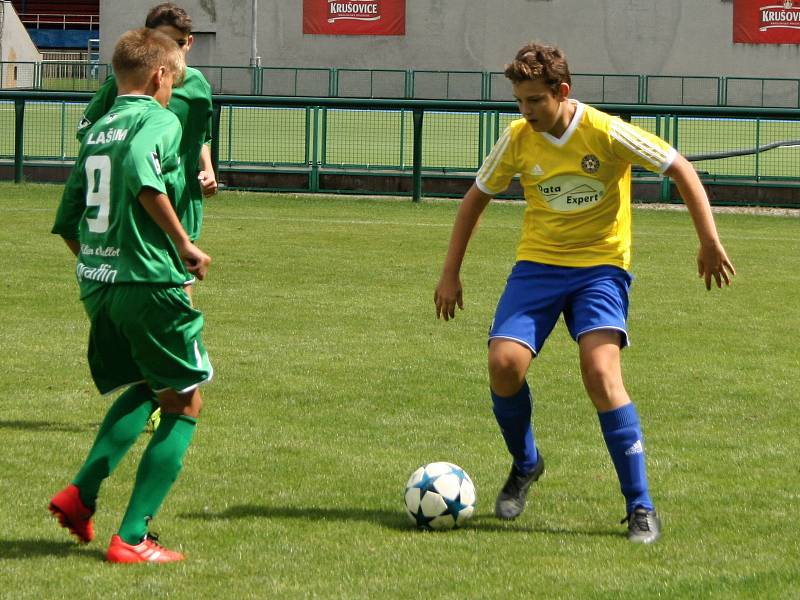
{"x": 191, "y": 103}
{"x": 118, "y": 216}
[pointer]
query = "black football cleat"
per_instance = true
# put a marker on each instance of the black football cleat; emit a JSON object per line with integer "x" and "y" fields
{"x": 644, "y": 526}
{"x": 511, "y": 499}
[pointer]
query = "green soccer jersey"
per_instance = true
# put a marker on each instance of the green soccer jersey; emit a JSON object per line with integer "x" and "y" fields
{"x": 134, "y": 146}
{"x": 191, "y": 103}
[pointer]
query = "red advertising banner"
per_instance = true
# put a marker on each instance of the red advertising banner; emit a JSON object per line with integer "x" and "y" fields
{"x": 766, "y": 21}
{"x": 354, "y": 17}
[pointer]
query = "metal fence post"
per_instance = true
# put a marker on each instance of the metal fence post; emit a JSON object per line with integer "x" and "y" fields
{"x": 314, "y": 176}
{"x": 482, "y": 117}
{"x": 417, "y": 190}
{"x": 323, "y": 137}
{"x": 666, "y": 188}
{"x": 758, "y": 148}
{"x": 63, "y": 129}
{"x": 19, "y": 120}
{"x": 333, "y": 82}
{"x": 402, "y": 139}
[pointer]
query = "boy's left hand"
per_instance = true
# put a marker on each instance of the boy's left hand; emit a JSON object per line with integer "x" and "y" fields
{"x": 712, "y": 261}
{"x": 196, "y": 260}
{"x": 208, "y": 183}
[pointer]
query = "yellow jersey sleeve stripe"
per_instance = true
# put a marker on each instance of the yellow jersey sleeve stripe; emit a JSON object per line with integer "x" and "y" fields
{"x": 638, "y": 144}
{"x": 657, "y": 156}
{"x": 490, "y": 163}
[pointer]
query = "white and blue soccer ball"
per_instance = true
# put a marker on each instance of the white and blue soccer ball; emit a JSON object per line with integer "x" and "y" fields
{"x": 440, "y": 495}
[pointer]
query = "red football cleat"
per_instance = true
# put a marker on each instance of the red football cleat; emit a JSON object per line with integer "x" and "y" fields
{"x": 72, "y": 513}
{"x": 148, "y": 550}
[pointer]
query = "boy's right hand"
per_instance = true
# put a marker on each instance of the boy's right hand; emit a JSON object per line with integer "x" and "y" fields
{"x": 713, "y": 262}
{"x": 196, "y": 260}
{"x": 447, "y": 296}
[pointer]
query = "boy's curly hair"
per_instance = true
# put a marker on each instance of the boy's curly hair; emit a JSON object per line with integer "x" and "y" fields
{"x": 169, "y": 14}
{"x": 538, "y": 61}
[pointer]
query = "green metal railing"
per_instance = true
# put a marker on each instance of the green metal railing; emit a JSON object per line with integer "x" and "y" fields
{"x": 490, "y": 86}
{"x": 407, "y": 138}
{"x": 372, "y": 83}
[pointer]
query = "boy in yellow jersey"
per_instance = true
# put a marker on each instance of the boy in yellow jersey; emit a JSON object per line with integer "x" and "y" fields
{"x": 573, "y": 258}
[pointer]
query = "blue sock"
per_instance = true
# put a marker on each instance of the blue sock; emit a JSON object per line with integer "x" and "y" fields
{"x": 513, "y": 414}
{"x": 623, "y": 435}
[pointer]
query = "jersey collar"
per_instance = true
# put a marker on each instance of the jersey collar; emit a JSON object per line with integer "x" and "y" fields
{"x": 127, "y": 99}
{"x": 573, "y": 125}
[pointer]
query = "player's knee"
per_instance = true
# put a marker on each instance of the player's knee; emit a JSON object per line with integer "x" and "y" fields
{"x": 506, "y": 369}
{"x": 189, "y": 404}
{"x": 595, "y": 375}
{"x": 603, "y": 383}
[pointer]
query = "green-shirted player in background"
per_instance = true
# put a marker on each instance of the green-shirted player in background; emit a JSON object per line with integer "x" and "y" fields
{"x": 191, "y": 103}
{"x": 117, "y": 215}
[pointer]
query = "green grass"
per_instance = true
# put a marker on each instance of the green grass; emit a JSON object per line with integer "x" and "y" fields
{"x": 334, "y": 381}
{"x": 283, "y": 136}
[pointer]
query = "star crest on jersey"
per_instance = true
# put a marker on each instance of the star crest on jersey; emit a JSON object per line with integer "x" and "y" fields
{"x": 537, "y": 170}
{"x": 590, "y": 164}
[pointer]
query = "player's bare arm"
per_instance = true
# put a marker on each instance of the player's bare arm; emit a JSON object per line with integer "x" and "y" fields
{"x": 712, "y": 260}
{"x": 159, "y": 207}
{"x": 449, "y": 292}
{"x": 206, "y": 176}
{"x": 73, "y": 245}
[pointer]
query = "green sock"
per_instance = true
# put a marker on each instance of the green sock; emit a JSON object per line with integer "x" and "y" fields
{"x": 123, "y": 423}
{"x": 161, "y": 462}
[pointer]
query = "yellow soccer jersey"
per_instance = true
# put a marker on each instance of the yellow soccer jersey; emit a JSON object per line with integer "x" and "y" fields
{"x": 577, "y": 187}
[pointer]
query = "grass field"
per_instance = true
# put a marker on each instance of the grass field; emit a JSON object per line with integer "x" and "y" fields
{"x": 334, "y": 381}
{"x": 284, "y": 136}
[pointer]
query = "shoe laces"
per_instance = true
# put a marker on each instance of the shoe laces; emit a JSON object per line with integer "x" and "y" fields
{"x": 514, "y": 483}
{"x": 152, "y": 538}
{"x": 637, "y": 519}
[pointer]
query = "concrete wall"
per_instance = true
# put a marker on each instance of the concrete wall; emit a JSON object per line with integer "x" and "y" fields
{"x": 658, "y": 37}
{"x": 15, "y": 47}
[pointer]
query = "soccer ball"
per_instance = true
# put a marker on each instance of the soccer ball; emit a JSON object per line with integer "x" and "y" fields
{"x": 439, "y": 495}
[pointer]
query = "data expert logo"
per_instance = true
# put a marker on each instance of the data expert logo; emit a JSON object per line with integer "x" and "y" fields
{"x": 354, "y": 10}
{"x": 569, "y": 193}
{"x": 779, "y": 16}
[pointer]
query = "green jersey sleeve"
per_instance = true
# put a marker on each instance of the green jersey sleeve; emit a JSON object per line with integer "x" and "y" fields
{"x": 208, "y": 127}
{"x": 72, "y": 206}
{"x": 153, "y": 158}
{"x": 99, "y": 105}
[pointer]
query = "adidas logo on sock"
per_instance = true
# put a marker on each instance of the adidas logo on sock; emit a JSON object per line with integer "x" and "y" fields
{"x": 637, "y": 448}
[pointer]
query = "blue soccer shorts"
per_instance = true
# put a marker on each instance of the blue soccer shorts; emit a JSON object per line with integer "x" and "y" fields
{"x": 590, "y": 298}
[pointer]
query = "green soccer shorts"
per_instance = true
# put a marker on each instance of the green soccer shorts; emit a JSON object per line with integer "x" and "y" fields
{"x": 145, "y": 333}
